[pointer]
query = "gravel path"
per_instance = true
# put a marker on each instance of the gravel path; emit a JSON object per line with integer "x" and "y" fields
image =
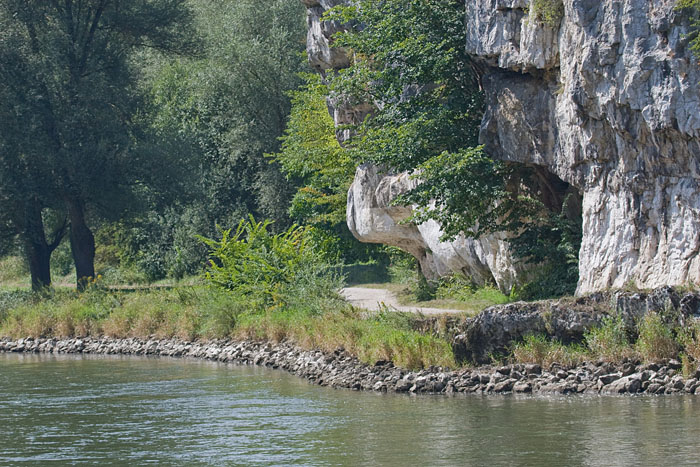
{"x": 372, "y": 299}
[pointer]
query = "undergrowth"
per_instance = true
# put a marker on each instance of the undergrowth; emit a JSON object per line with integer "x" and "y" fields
{"x": 203, "y": 313}
{"x": 657, "y": 340}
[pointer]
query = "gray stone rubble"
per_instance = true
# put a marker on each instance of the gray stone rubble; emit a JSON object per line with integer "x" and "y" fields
{"x": 341, "y": 370}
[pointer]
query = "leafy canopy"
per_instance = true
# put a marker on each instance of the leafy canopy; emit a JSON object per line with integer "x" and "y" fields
{"x": 311, "y": 153}
{"x": 409, "y": 59}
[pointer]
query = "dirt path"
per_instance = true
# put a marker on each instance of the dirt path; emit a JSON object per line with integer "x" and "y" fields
{"x": 372, "y": 299}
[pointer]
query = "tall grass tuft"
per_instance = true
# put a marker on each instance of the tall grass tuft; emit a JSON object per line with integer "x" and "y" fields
{"x": 609, "y": 341}
{"x": 538, "y": 349}
{"x": 656, "y": 341}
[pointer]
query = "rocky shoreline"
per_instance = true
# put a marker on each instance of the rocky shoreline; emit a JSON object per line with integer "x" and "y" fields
{"x": 341, "y": 370}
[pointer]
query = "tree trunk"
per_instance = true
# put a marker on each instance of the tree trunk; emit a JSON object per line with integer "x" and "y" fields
{"x": 36, "y": 247}
{"x": 39, "y": 259}
{"x": 82, "y": 244}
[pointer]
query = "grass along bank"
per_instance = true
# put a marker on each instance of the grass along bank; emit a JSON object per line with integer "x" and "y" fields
{"x": 655, "y": 339}
{"x": 206, "y": 313}
{"x": 200, "y": 312}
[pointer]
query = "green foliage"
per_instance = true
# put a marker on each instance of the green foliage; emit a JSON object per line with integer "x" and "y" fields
{"x": 458, "y": 288}
{"x": 194, "y": 312}
{"x": 403, "y": 267}
{"x": 310, "y": 152}
{"x": 312, "y": 159}
{"x": 689, "y": 338}
{"x": 609, "y": 340}
{"x": 692, "y": 9}
{"x": 656, "y": 340}
{"x": 409, "y": 58}
{"x": 465, "y": 185}
{"x": 227, "y": 107}
{"x": 538, "y": 349}
{"x": 73, "y": 142}
{"x": 409, "y": 55}
{"x": 549, "y": 12}
{"x": 381, "y": 336}
{"x": 13, "y": 269}
{"x": 551, "y": 240}
{"x": 270, "y": 271}
{"x": 365, "y": 273}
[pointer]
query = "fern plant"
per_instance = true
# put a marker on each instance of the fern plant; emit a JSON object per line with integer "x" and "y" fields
{"x": 269, "y": 271}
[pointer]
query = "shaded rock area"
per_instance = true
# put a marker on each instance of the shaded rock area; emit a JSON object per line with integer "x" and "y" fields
{"x": 494, "y": 330}
{"x": 341, "y": 370}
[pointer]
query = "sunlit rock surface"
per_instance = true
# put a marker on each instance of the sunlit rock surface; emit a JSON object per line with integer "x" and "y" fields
{"x": 607, "y": 99}
{"x": 372, "y": 218}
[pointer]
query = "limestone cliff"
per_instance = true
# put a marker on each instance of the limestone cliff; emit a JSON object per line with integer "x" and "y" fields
{"x": 607, "y": 100}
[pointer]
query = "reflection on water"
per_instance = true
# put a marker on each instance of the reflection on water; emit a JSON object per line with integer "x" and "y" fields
{"x": 125, "y": 410}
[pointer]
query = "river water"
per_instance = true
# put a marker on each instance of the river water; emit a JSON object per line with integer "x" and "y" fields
{"x": 68, "y": 410}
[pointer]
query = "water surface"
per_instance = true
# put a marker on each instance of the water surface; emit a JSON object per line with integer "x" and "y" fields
{"x": 68, "y": 410}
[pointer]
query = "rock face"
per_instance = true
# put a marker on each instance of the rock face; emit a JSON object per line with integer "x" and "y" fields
{"x": 319, "y": 38}
{"x": 496, "y": 329}
{"x": 607, "y": 100}
{"x": 370, "y": 214}
{"x": 372, "y": 218}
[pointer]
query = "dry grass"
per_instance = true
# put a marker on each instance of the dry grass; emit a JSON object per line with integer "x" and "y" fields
{"x": 538, "y": 349}
{"x": 191, "y": 313}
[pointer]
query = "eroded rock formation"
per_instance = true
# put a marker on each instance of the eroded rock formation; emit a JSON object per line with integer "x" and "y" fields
{"x": 370, "y": 214}
{"x": 607, "y": 99}
{"x": 372, "y": 218}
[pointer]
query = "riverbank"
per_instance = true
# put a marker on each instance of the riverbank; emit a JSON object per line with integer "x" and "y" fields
{"x": 339, "y": 369}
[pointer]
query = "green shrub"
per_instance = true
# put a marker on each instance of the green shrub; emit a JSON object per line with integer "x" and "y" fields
{"x": 457, "y": 287}
{"x": 689, "y": 339}
{"x": 369, "y": 272}
{"x": 692, "y": 10}
{"x": 13, "y": 269}
{"x": 549, "y": 12}
{"x": 270, "y": 271}
{"x": 656, "y": 340}
{"x": 609, "y": 340}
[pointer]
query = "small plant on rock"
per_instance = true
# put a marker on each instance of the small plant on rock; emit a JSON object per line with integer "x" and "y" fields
{"x": 549, "y": 12}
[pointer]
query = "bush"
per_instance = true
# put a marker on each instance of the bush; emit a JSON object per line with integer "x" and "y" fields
{"x": 458, "y": 288}
{"x": 271, "y": 271}
{"x": 689, "y": 338}
{"x": 609, "y": 340}
{"x": 656, "y": 340}
{"x": 13, "y": 269}
{"x": 549, "y": 12}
